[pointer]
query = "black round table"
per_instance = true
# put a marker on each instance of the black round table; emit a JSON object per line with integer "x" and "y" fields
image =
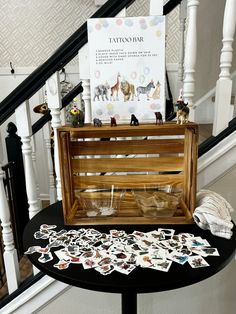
{"x": 140, "y": 280}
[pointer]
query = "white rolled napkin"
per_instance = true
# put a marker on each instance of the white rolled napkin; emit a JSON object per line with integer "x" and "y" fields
{"x": 213, "y": 213}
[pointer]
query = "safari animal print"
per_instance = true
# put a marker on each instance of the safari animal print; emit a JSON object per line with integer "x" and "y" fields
{"x": 115, "y": 88}
{"x": 128, "y": 90}
{"x": 145, "y": 89}
{"x": 101, "y": 90}
{"x": 157, "y": 91}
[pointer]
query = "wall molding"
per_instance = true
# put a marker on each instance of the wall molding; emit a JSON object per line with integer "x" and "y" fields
{"x": 36, "y": 297}
{"x": 217, "y": 162}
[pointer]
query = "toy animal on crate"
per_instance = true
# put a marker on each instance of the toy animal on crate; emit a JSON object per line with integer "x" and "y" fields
{"x": 134, "y": 120}
{"x": 97, "y": 122}
{"x": 158, "y": 118}
{"x": 76, "y": 117}
{"x": 113, "y": 121}
{"x": 182, "y": 113}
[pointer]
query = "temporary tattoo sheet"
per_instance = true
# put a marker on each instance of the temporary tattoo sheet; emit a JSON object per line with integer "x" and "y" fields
{"x": 127, "y": 67}
{"x": 119, "y": 251}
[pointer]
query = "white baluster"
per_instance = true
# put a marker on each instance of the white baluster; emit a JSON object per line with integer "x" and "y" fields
{"x": 33, "y": 143}
{"x": 54, "y": 104}
{"x": 47, "y": 140}
{"x": 24, "y": 127}
{"x": 223, "y": 111}
{"x": 10, "y": 254}
{"x": 84, "y": 76}
{"x": 86, "y": 96}
{"x": 190, "y": 53}
{"x": 182, "y": 21}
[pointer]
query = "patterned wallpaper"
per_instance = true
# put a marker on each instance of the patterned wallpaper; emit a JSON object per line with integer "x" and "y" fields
{"x": 31, "y": 30}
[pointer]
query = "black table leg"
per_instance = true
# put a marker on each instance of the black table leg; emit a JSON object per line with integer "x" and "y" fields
{"x": 129, "y": 303}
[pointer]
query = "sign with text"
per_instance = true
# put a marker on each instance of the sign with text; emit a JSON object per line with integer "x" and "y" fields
{"x": 127, "y": 67}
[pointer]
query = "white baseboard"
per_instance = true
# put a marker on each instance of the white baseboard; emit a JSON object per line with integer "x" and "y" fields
{"x": 36, "y": 297}
{"x": 218, "y": 161}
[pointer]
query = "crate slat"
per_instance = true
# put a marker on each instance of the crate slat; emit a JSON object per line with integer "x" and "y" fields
{"x": 130, "y": 181}
{"x": 92, "y": 165}
{"x": 127, "y": 147}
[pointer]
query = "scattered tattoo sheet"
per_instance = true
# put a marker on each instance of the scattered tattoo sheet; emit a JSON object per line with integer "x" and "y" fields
{"x": 119, "y": 251}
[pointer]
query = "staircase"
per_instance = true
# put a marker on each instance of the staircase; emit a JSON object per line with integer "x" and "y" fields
{"x": 47, "y": 75}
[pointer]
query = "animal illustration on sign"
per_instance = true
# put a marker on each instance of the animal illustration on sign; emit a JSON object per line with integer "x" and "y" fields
{"x": 128, "y": 90}
{"x": 97, "y": 122}
{"x": 101, "y": 90}
{"x": 158, "y": 118}
{"x": 134, "y": 120}
{"x": 145, "y": 89}
{"x": 157, "y": 91}
{"x": 115, "y": 88}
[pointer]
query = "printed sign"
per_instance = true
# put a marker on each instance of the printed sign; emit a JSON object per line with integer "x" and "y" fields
{"x": 127, "y": 67}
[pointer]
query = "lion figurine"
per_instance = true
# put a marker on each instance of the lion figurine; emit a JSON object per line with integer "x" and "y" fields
{"x": 128, "y": 90}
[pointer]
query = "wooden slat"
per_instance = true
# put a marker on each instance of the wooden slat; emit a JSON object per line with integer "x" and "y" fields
{"x": 127, "y": 147}
{"x": 129, "y": 181}
{"x": 128, "y": 165}
{"x": 77, "y": 221}
{"x": 65, "y": 170}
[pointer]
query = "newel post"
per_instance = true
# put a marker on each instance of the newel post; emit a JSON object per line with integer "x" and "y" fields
{"x": 54, "y": 104}
{"x": 10, "y": 254}
{"x": 223, "y": 111}
{"x": 24, "y": 127}
{"x": 190, "y": 54}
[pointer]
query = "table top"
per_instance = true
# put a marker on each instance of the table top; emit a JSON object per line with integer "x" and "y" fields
{"x": 140, "y": 280}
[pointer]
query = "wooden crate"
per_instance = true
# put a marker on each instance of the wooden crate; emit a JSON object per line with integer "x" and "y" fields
{"x": 164, "y": 154}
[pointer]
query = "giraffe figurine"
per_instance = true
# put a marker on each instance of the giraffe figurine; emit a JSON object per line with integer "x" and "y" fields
{"x": 115, "y": 88}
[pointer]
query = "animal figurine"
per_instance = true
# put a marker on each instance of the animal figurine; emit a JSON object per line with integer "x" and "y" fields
{"x": 76, "y": 117}
{"x": 182, "y": 112}
{"x": 97, "y": 122}
{"x": 101, "y": 90}
{"x": 158, "y": 118}
{"x": 128, "y": 90}
{"x": 115, "y": 88}
{"x": 145, "y": 89}
{"x": 113, "y": 121}
{"x": 182, "y": 109}
{"x": 42, "y": 108}
{"x": 134, "y": 120}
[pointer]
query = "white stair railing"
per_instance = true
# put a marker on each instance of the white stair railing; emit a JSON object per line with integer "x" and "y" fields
{"x": 33, "y": 144}
{"x": 190, "y": 54}
{"x": 182, "y": 25}
{"x": 25, "y": 132}
{"x": 223, "y": 110}
{"x": 54, "y": 104}
{"x": 10, "y": 254}
{"x": 47, "y": 139}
